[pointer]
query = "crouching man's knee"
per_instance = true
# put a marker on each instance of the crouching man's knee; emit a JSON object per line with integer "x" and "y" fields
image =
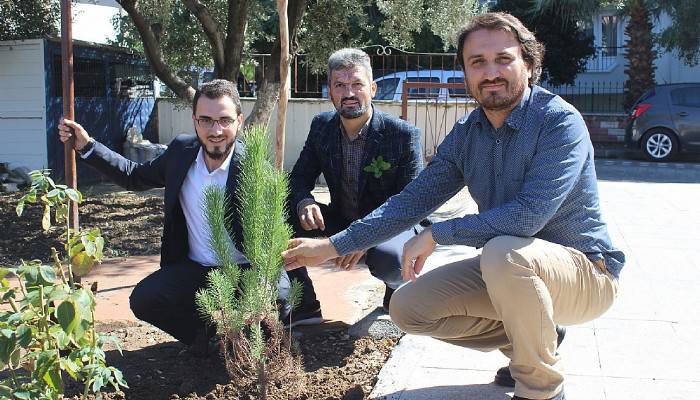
{"x": 141, "y": 303}
{"x": 500, "y": 257}
{"x": 405, "y": 311}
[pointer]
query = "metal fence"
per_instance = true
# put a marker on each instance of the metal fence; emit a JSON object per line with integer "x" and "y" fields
{"x": 434, "y": 115}
{"x": 387, "y": 62}
{"x": 100, "y": 78}
{"x": 394, "y": 68}
{"x": 593, "y": 97}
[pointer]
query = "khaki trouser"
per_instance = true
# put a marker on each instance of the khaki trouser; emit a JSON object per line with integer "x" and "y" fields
{"x": 509, "y": 298}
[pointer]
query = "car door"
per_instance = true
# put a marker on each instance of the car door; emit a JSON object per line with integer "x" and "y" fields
{"x": 685, "y": 112}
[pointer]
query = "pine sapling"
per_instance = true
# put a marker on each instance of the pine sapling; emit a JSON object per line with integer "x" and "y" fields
{"x": 242, "y": 302}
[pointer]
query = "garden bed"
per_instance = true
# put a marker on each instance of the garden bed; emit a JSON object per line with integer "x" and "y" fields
{"x": 156, "y": 366}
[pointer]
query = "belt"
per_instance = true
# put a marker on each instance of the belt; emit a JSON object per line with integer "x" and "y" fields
{"x": 600, "y": 264}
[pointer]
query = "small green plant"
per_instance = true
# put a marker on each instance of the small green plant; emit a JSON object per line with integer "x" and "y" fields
{"x": 377, "y": 166}
{"x": 242, "y": 304}
{"x": 47, "y": 321}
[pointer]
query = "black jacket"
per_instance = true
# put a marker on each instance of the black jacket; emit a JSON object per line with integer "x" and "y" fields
{"x": 396, "y": 141}
{"x": 168, "y": 170}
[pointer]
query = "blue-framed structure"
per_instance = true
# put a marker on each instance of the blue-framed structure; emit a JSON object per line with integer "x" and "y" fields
{"x": 113, "y": 92}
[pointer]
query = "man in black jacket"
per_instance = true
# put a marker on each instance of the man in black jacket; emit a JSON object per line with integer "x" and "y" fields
{"x": 166, "y": 298}
{"x": 365, "y": 156}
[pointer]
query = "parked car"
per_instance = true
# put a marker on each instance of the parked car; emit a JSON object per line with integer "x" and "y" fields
{"x": 666, "y": 121}
{"x": 390, "y": 86}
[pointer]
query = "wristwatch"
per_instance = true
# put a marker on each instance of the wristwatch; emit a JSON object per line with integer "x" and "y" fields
{"x": 88, "y": 146}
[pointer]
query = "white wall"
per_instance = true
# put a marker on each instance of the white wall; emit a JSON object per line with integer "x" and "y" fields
{"x": 434, "y": 121}
{"x": 669, "y": 67}
{"x": 23, "y": 104}
{"x": 176, "y": 119}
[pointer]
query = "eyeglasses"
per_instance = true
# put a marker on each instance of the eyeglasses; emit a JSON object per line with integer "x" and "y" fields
{"x": 207, "y": 123}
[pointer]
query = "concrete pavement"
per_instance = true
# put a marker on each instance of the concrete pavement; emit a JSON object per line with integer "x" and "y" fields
{"x": 643, "y": 348}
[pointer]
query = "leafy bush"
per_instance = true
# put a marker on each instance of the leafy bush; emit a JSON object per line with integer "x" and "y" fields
{"x": 47, "y": 322}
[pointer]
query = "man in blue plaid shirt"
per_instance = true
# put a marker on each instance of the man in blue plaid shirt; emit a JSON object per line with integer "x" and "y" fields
{"x": 547, "y": 259}
{"x": 365, "y": 156}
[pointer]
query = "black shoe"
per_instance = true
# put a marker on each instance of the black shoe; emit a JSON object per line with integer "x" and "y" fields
{"x": 388, "y": 292}
{"x": 304, "y": 315}
{"x": 204, "y": 344}
{"x": 559, "y": 396}
{"x": 503, "y": 377}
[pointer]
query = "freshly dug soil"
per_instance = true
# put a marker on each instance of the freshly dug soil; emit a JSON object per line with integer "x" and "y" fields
{"x": 156, "y": 366}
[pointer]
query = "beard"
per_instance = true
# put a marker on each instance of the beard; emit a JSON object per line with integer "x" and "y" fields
{"x": 495, "y": 101}
{"x": 352, "y": 113}
{"x": 217, "y": 153}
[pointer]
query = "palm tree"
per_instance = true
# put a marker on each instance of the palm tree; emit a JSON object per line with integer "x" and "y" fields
{"x": 640, "y": 54}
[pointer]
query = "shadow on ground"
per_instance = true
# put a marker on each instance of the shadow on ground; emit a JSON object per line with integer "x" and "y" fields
{"x": 452, "y": 392}
{"x": 647, "y": 172}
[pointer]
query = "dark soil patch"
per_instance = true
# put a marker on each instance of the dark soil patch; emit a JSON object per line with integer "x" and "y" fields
{"x": 156, "y": 366}
{"x": 131, "y": 224}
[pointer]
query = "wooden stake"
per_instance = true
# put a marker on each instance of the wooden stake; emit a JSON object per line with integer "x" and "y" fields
{"x": 284, "y": 84}
{"x": 71, "y": 178}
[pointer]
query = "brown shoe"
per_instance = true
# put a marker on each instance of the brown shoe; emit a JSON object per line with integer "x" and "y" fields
{"x": 503, "y": 377}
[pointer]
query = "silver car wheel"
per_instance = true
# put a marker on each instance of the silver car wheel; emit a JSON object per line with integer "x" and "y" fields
{"x": 659, "y": 145}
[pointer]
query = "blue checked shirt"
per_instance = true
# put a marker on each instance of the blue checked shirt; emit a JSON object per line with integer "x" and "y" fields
{"x": 533, "y": 177}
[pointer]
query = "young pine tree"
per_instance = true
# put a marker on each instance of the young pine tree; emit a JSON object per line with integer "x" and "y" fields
{"x": 242, "y": 303}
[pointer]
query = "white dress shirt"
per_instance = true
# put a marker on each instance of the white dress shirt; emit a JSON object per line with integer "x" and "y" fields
{"x": 192, "y": 200}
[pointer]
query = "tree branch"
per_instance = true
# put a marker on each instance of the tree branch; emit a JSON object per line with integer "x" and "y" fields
{"x": 153, "y": 54}
{"x": 235, "y": 37}
{"x": 211, "y": 31}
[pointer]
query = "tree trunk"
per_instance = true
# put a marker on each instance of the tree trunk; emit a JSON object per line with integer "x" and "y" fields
{"x": 267, "y": 96}
{"x": 640, "y": 54}
{"x": 153, "y": 54}
{"x": 268, "y": 91}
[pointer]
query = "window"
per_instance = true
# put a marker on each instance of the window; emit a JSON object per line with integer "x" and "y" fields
{"x": 386, "y": 88}
{"x": 608, "y": 39}
{"x": 423, "y": 93}
{"x": 88, "y": 77}
{"x": 688, "y": 97}
{"x": 131, "y": 81}
{"x": 457, "y": 92}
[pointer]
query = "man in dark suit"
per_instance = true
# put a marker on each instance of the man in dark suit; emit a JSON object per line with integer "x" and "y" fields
{"x": 365, "y": 156}
{"x": 166, "y": 298}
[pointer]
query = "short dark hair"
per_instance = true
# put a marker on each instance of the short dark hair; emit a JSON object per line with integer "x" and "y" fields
{"x": 532, "y": 50}
{"x": 215, "y": 89}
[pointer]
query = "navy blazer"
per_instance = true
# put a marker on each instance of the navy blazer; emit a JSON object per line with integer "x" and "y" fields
{"x": 392, "y": 138}
{"x": 169, "y": 170}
